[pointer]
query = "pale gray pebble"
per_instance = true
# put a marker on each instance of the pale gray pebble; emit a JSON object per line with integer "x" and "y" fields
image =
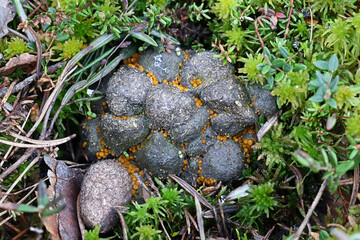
{"x": 105, "y": 186}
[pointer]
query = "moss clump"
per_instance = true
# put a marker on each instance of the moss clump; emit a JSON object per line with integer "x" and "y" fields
{"x": 16, "y": 46}
{"x": 352, "y": 126}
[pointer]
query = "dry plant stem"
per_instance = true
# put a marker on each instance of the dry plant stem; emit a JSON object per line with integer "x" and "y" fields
{"x": 199, "y": 218}
{"x": 16, "y": 33}
{"x": 19, "y": 178}
{"x": 20, "y": 234}
{"x": 34, "y": 187}
{"x": 48, "y": 143}
{"x": 312, "y": 23}
{"x": 163, "y": 226}
{"x": 288, "y": 23}
{"x": 11, "y": 147}
{"x": 123, "y": 224}
{"x": 8, "y": 218}
{"x": 355, "y": 189}
{"x": 15, "y": 165}
{"x": 35, "y": 10}
{"x": 217, "y": 222}
{"x": 257, "y": 31}
{"x": 51, "y": 100}
{"x": 311, "y": 209}
{"x": 41, "y": 142}
{"x": 223, "y": 219}
{"x": 29, "y": 80}
{"x": 39, "y": 51}
{"x": 7, "y": 95}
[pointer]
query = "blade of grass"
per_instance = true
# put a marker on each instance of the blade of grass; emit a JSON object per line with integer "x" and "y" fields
{"x": 103, "y": 56}
{"x": 191, "y": 190}
{"x": 199, "y": 219}
{"x": 103, "y": 72}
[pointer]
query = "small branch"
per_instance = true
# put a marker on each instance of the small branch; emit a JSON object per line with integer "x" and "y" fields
{"x": 15, "y": 165}
{"x": 29, "y": 80}
{"x": 16, "y": 33}
{"x": 311, "y": 23}
{"x": 44, "y": 144}
{"x": 355, "y": 189}
{"x": 19, "y": 178}
{"x": 311, "y": 209}
{"x": 288, "y": 23}
{"x": 38, "y": 50}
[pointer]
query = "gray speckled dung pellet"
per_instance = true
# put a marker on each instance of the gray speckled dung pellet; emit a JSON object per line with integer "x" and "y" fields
{"x": 105, "y": 186}
{"x": 201, "y": 144}
{"x": 168, "y": 107}
{"x": 204, "y": 66}
{"x": 126, "y": 91}
{"x": 223, "y": 161}
{"x": 90, "y": 136}
{"x": 121, "y": 134}
{"x": 262, "y": 101}
{"x": 163, "y": 65}
{"x": 226, "y": 124}
{"x": 192, "y": 128}
{"x": 159, "y": 156}
{"x": 229, "y": 96}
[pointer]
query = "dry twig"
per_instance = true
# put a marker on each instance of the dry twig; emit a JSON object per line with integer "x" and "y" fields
{"x": 311, "y": 209}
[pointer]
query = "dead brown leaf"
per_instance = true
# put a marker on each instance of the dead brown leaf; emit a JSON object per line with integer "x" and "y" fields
{"x": 67, "y": 184}
{"x": 26, "y": 62}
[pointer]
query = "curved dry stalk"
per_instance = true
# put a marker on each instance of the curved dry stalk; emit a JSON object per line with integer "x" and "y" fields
{"x": 10, "y": 148}
{"x": 19, "y": 178}
{"x": 39, "y": 143}
{"x": 311, "y": 209}
{"x": 15, "y": 165}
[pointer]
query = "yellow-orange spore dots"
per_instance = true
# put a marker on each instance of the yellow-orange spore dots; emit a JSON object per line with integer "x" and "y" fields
{"x": 125, "y": 161}
{"x": 133, "y": 62}
{"x": 176, "y": 83}
{"x": 200, "y": 180}
{"x": 206, "y": 126}
{"x": 222, "y": 138}
{"x": 152, "y": 78}
{"x": 213, "y": 114}
{"x": 84, "y": 144}
{"x": 89, "y": 117}
{"x": 133, "y": 59}
{"x": 165, "y": 81}
{"x": 198, "y": 102}
{"x": 203, "y": 141}
{"x": 209, "y": 181}
{"x": 196, "y": 82}
{"x": 180, "y": 64}
{"x": 186, "y": 55}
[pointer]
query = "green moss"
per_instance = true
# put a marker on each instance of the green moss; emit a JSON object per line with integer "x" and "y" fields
{"x": 224, "y": 8}
{"x": 293, "y": 89}
{"x": 352, "y": 126}
{"x": 346, "y": 98}
{"x": 250, "y": 70}
{"x": 70, "y": 48}
{"x": 16, "y": 46}
{"x": 236, "y": 37}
